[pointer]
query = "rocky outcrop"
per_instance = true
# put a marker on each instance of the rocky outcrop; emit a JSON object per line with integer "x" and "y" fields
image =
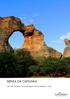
{"x": 34, "y": 42}
{"x": 67, "y": 49}
{"x": 53, "y": 53}
{"x": 7, "y": 26}
{"x": 33, "y": 38}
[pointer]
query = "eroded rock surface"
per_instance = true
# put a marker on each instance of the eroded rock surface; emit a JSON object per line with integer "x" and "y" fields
{"x": 67, "y": 49}
{"x": 7, "y": 26}
{"x": 33, "y": 38}
{"x": 34, "y": 42}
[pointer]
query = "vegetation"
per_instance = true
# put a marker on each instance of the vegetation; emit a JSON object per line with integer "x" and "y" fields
{"x": 15, "y": 64}
{"x": 22, "y": 64}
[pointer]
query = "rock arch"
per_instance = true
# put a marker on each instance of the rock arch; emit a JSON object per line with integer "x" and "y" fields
{"x": 8, "y": 25}
{"x": 33, "y": 38}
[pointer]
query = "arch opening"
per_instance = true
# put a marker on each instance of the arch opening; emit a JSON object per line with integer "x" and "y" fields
{"x": 16, "y": 40}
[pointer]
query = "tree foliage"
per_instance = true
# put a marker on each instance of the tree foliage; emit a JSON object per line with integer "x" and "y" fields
{"x": 22, "y": 64}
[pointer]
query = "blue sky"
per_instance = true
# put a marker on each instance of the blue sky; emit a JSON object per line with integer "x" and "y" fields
{"x": 52, "y": 17}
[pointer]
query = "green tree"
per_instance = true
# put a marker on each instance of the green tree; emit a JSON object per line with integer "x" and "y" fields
{"x": 7, "y": 64}
{"x": 24, "y": 61}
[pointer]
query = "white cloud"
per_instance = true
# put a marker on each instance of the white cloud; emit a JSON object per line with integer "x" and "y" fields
{"x": 31, "y": 20}
{"x": 55, "y": 41}
{"x": 33, "y": 17}
{"x": 23, "y": 17}
{"x": 36, "y": 15}
{"x": 61, "y": 38}
{"x": 66, "y": 36}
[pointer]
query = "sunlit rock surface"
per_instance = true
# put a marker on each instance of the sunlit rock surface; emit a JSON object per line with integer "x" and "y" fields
{"x": 33, "y": 38}
{"x": 67, "y": 49}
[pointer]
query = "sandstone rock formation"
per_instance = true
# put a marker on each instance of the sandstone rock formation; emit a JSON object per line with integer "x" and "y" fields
{"x": 67, "y": 49}
{"x": 7, "y": 26}
{"x": 33, "y": 38}
{"x": 34, "y": 42}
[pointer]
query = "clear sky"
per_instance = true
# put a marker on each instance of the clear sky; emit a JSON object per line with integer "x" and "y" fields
{"x": 52, "y": 17}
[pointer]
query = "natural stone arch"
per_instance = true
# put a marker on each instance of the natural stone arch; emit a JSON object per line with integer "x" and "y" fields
{"x": 8, "y": 25}
{"x": 33, "y": 38}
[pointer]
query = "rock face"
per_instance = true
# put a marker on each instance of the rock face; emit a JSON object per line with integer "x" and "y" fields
{"x": 50, "y": 52}
{"x": 34, "y": 42}
{"x": 33, "y": 38}
{"x": 67, "y": 49}
{"x": 7, "y": 26}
